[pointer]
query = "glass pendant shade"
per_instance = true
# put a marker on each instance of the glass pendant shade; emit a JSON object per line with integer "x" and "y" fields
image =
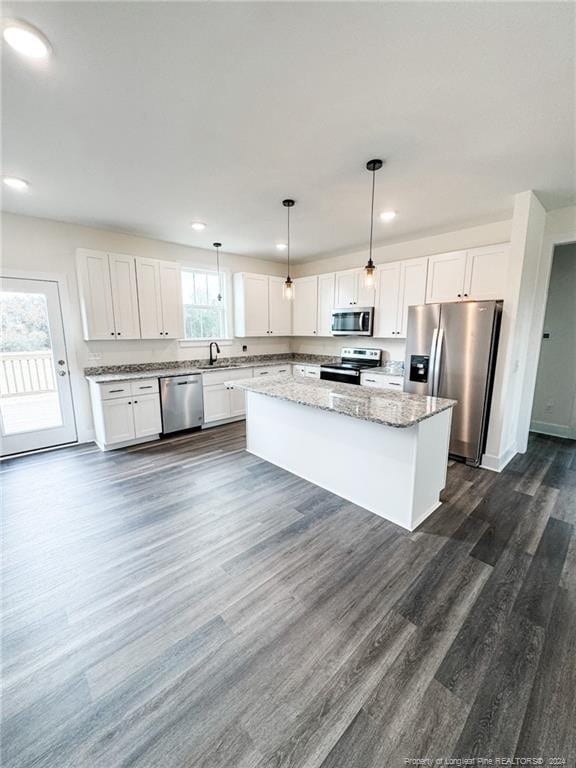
{"x": 288, "y": 289}
{"x": 369, "y": 274}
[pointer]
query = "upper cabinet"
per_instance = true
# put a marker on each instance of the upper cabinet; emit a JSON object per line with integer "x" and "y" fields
{"x": 160, "y": 294}
{"x": 479, "y": 274}
{"x": 260, "y": 308}
{"x": 326, "y": 289}
{"x": 401, "y": 284}
{"x": 126, "y": 297}
{"x": 108, "y": 295}
{"x": 351, "y": 290}
{"x": 305, "y": 306}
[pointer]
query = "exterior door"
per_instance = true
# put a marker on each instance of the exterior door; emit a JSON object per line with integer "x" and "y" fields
{"x": 36, "y": 409}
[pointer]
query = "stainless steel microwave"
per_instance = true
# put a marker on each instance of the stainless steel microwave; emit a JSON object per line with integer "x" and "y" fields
{"x": 353, "y": 321}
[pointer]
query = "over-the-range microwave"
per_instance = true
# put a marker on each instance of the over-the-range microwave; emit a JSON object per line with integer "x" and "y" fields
{"x": 353, "y": 321}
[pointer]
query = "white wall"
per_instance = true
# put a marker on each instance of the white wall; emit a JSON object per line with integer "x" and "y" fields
{"x": 554, "y": 410}
{"x": 41, "y": 246}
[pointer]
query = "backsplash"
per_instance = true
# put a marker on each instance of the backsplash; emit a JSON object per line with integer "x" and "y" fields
{"x": 392, "y": 349}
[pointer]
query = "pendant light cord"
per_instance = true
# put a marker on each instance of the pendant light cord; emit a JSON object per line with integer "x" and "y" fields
{"x": 372, "y": 213}
{"x": 288, "y": 243}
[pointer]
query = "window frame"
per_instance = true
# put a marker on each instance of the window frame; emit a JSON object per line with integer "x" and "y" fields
{"x": 226, "y": 288}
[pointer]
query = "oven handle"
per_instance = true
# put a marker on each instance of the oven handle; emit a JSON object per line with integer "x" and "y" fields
{"x": 340, "y": 372}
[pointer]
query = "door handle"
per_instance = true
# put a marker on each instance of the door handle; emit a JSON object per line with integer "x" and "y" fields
{"x": 61, "y": 362}
{"x": 62, "y": 373}
{"x": 438, "y": 362}
{"x": 432, "y": 364}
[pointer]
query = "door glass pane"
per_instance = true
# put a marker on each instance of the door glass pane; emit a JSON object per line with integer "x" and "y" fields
{"x": 29, "y": 398}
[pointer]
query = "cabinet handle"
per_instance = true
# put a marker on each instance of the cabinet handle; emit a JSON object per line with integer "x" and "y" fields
{"x": 459, "y": 295}
{"x": 149, "y": 386}
{"x": 118, "y": 334}
{"x": 465, "y": 294}
{"x": 112, "y": 333}
{"x": 129, "y": 402}
{"x": 135, "y": 402}
{"x": 113, "y": 391}
{"x": 372, "y": 381}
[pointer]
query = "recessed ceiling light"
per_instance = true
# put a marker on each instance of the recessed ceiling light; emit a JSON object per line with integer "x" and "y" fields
{"x": 281, "y": 246}
{"x": 26, "y": 39}
{"x": 388, "y": 215}
{"x": 198, "y": 226}
{"x": 15, "y": 183}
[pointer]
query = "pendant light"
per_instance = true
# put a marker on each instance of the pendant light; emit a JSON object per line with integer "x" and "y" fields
{"x": 369, "y": 269}
{"x": 218, "y": 246}
{"x": 288, "y": 283}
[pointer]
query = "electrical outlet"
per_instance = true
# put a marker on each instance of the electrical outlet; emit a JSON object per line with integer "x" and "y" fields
{"x": 244, "y": 348}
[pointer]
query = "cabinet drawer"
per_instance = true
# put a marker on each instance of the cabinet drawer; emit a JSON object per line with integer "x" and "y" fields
{"x": 145, "y": 387}
{"x": 219, "y": 377}
{"x": 115, "y": 389}
{"x": 272, "y": 370}
{"x": 312, "y": 371}
{"x": 382, "y": 381}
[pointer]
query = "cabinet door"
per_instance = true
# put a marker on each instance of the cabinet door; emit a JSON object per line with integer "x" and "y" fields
{"x": 386, "y": 320}
{"x": 237, "y": 402}
{"x": 446, "y": 273}
{"x": 486, "y": 271}
{"x": 325, "y": 303}
{"x": 147, "y": 418}
{"x": 95, "y": 295}
{"x": 216, "y": 402}
{"x": 312, "y": 371}
{"x": 118, "y": 420}
{"x": 305, "y": 309}
{"x": 171, "y": 293}
{"x": 150, "y": 304}
{"x": 413, "y": 275}
{"x": 365, "y": 295}
{"x": 124, "y": 296}
{"x": 251, "y": 305}
{"x": 279, "y": 308}
{"x": 346, "y": 288}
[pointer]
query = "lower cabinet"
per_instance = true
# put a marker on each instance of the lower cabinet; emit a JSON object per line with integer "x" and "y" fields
{"x": 382, "y": 381}
{"x": 125, "y": 412}
{"x": 221, "y": 402}
{"x": 311, "y": 371}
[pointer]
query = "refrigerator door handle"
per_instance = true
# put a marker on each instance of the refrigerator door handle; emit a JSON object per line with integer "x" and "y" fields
{"x": 438, "y": 363}
{"x": 432, "y": 368}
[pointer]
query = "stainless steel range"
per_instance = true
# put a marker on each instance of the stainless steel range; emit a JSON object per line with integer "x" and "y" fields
{"x": 353, "y": 361}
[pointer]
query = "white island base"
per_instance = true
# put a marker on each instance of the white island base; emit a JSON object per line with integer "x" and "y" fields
{"x": 395, "y": 472}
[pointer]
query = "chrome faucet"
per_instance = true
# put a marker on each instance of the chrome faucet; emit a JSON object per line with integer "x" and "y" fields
{"x": 213, "y": 359}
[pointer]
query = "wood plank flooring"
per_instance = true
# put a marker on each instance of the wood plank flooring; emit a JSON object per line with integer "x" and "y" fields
{"x": 186, "y": 605}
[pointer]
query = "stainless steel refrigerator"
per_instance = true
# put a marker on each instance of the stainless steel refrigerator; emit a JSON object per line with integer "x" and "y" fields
{"x": 451, "y": 352}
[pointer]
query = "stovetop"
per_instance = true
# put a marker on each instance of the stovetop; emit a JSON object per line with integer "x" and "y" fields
{"x": 347, "y": 366}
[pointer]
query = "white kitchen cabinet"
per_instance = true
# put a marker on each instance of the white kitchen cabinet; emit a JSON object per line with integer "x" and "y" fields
{"x": 326, "y": 287}
{"x": 124, "y": 296}
{"x": 273, "y": 370}
{"x": 351, "y": 289}
{"x": 401, "y": 284}
{"x": 305, "y": 306}
{"x": 486, "y": 272}
{"x": 160, "y": 295}
{"x": 387, "y": 301}
{"x": 171, "y": 299}
{"x": 279, "y": 308}
{"x": 382, "y": 381}
{"x": 222, "y": 402}
{"x": 446, "y": 273}
{"x": 93, "y": 269}
{"x": 147, "y": 418}
{"x": 309, "y": 371}
{"x": 476, "y": 274}
{"x": 125, "y": 412}
{"x": 413, "y": 277}
{"x": 260, "y": 308}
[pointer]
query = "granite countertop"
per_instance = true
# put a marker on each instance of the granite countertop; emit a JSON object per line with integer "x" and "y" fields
{"x": 181, "y": 368}
{"x": 393, "y": 409}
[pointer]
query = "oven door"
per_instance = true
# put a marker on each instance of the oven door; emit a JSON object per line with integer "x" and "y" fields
{"x": 353, "y": 322}
{"x": 346, "y": 376}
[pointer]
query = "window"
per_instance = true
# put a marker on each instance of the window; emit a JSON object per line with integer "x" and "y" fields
{"x": 204, "y": 315}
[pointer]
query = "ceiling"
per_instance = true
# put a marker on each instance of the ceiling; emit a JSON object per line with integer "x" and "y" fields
{"x": 151, "y": 115}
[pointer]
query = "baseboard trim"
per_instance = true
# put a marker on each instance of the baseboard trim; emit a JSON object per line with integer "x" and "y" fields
{"x": 554, "y": 430}
{"x": 497, "y": 463}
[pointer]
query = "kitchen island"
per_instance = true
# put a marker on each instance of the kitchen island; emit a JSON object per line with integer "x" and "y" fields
{"x": 385, "y": 451}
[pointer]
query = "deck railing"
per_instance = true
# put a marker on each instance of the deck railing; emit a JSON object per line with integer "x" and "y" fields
{"x": 25, "y": 373}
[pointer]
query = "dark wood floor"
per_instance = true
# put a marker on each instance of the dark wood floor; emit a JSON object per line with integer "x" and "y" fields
{"x": 185, "y": 604}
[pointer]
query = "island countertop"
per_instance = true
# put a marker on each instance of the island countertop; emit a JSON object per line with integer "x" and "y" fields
{"x": 392, "y": 409}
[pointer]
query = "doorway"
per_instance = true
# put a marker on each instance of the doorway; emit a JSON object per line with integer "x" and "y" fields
{"x": 554, "y": 406}
{"x": 36, "y": 408}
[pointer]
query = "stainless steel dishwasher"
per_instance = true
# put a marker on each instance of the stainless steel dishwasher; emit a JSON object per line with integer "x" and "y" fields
{"x": 182, "y": 402}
